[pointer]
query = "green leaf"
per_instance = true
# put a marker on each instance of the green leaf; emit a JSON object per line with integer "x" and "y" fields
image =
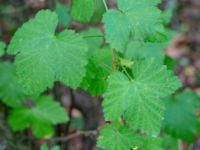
{"x": 40, "y": 118}
{"x": 43, "y": 57}
{"x": 180, "y": 118}
{"x": 139, "y": 100}
{"x": 117, "y": 29}
{"x": 169, "y": 142}
{"x": 11, "y": 91}
{"x": 138, "y": 50}
{"x": 2, "y": 47}
{"x": 116, "y": 138}
{"x": 99, "y": 10}
{"x": 98, "y": 70}
{"x": 56, "y": 148}
{"x": 170, "y": 62}
{"x": 132, "y": 20}
{"x": 148, "y": 143}
{"x": 167, "y": 15}
{"x": 45, "y": 147}
{"x": 82, "y": 10}
{"x": 94, "y": 38}
{"x": 62, "y": 11}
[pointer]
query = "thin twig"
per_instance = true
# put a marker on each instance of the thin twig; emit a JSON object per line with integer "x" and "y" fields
{"x": 74, "y": 135}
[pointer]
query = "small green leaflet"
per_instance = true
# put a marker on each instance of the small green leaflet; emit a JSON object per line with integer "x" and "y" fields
{"x": 40, "y": 118}
{"x": 62, "y": 11}
{"x": 116, "y": 138}
{"x": 2, "y": 47}
{"x": 180, "y": 118}
{"x": 82, "y": 10}
{"x": 11, "y": 91}
{"x": 132, "y": 20}
{"x": 139, "y": 100}
{"x": 43, "y": 57}
{"x": 138, "y": 50}
{"x": 98, "y": 70}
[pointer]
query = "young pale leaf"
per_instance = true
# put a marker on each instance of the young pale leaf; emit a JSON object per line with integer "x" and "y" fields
{"x": 62, "y": 11}
{"x": 180, "y": 118}
{"x": 133, "y": 20}
{"x": 11, "y": 91}
{"x": 82, "y": 10}
{"x": 139, "y": 100}
{"x": 2, "y": 47}
{"x": 116, "y": 138}
{"x": 40, "y": 118}
{"x": 43, "y": 57}
{"x": 138, "y": 50}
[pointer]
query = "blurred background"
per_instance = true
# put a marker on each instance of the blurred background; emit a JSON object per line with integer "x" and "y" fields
{"x": 183, "y": 56}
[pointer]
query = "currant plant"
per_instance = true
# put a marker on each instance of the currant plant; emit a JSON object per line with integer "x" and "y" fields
{"x": 127, "y": 70}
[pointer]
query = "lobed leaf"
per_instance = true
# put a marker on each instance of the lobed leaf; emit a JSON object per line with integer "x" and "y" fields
{"x": 139, "y": 100}
{"x": 40, "y": 118}
{"x": 43, "y": 57}
{"x": 132, "y": 20}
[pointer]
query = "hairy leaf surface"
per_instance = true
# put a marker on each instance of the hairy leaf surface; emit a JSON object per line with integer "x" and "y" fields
{"x": 116, "y": 138}
{"x": 138, "y": 50}
{"x": 132, "y": 20}
{"x": 44, "y": 57}
{"x": 139, "y": 100}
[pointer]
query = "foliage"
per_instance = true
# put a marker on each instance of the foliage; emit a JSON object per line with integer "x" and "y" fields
{"x": 124, "y": 64}
{"x": 180, "y": 116}
{"x": 45, "y": 57}
{"x": 11, "y": 91}
{"x": 41, "y": 116}
{"x": 63, "y": 14}
{"x": 138, "y": 99}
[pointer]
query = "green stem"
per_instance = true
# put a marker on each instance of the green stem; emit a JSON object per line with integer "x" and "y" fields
{"x": 113, "y": 59}
{"x": 105, "y": 5}
{"x": 127, "y": 74}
